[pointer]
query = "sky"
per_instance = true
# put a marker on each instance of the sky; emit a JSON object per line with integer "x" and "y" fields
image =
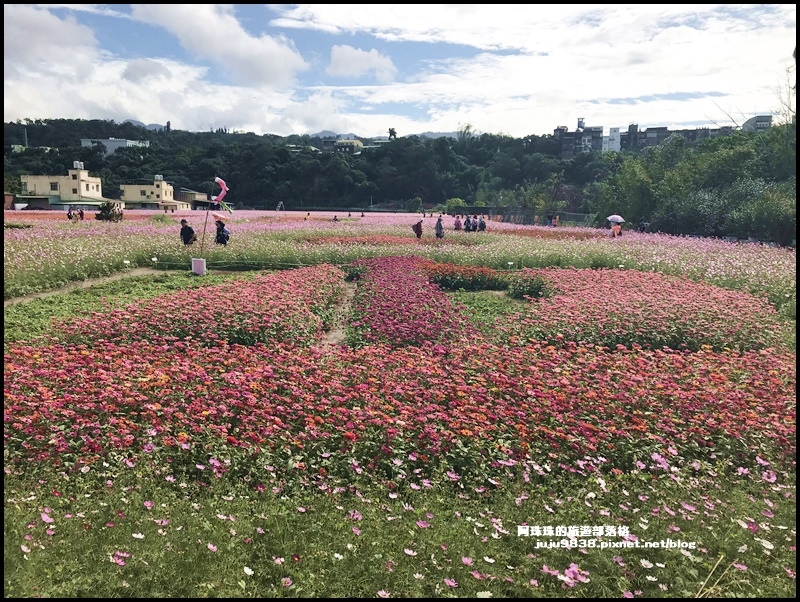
{"x": 514, "y": 70}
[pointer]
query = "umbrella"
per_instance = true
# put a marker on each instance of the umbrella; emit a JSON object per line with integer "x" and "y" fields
{"x": 617, "y": 219}
{"x": 219, "y": 216}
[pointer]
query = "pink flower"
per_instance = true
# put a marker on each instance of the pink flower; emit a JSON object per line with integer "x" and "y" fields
{"x": 451, "y": 582}
{"x": 410, "y": 552}
{"x": 466, "y": 560}
{"x": 741, "y": 567}
{"x": 149, "y": 505}
{"x": 383, "y": 594}
{"x": 423, "y": 524}
{"x": 46, "y": 518}
{"x": 212, "y": 547}
{"x": 286, "y": 581}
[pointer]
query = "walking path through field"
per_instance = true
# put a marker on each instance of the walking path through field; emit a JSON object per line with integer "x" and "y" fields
{"x": 336, "y": 335}
{"x": 72, "y": 286}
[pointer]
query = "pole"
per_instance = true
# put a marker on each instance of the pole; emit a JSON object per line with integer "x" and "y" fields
{"x": 203, "y": 240}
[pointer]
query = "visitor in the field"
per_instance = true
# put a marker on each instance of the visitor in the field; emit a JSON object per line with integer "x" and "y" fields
{"x": 481, "y": 224}
{"x": 457, "y": 223}
{"x": 417, "y": 228}
{"x": 616, "y": 230}
{"x": 439, "y": 228}
{"x": 223, "y": 234}
{"x": 187, "y": 233}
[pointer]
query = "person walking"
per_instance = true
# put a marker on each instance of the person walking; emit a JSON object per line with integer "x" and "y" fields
{"x": 439, "y": 228}
{"x": 417, "y": 228}
{"x": 187, "y": 233}
{"x": 457, "y": 223}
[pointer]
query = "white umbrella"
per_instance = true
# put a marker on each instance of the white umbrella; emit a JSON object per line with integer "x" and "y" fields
{"x": 617, "y": 219}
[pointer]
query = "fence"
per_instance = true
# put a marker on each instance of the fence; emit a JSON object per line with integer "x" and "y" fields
{"x": 530, "y": 217}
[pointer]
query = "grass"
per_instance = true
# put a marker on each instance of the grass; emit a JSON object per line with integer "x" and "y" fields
{"x": 142, "y": 536}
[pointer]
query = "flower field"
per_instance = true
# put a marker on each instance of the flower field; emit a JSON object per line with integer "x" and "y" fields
{"x": 210, "y": 442}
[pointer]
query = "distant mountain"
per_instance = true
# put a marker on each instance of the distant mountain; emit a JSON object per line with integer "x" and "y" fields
{"x": 329, "y": 134}
{"x": 438, "y": 135}
{"x": 149, "y": 126}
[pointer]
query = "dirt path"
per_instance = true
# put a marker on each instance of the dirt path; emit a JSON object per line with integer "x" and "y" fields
{"x": 336, "y": 335}
{"x": 82, "y": 284}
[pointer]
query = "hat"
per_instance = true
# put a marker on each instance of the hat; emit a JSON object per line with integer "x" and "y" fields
{"x": 183, "y": 221}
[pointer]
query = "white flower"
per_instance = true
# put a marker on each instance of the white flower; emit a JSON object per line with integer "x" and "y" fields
{"x": 248, "y": 571}
{"x": 646, "y": 563}
{"x": 489, "y": 560}
{"x": 483, "y": 595}
{"x": 337, "y": 556}
{"x": 138, "y": 536}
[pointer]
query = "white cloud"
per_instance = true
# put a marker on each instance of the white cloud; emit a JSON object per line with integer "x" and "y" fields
{"x": 347, "y": 61}
{"x": 212, "y": 32}
{"x": 500, "y": 68}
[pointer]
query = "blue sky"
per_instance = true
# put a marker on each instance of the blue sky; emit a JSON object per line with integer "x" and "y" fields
{"x": 303, "y": 68}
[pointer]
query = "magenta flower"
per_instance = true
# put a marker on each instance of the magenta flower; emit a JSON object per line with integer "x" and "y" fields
{"x": 451, "y": 582}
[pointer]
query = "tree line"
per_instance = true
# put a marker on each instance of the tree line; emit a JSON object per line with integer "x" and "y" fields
{"x": 742, "y": 184}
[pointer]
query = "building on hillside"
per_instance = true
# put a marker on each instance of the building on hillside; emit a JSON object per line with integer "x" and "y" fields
{"x": 156, "y": 194}
{"x": 351, "y": 147}
{"x": 112, "y": 144}
{"x": 586, "y": 139}
{"x": 77, "y": 190}
{"x": 759, "y": 123}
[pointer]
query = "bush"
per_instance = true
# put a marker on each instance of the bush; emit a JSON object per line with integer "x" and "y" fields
{"x": 109, "y": 212}
{"x": 522, "y": 285}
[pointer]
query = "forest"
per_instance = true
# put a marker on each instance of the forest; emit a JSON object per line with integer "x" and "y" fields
{"x": 740, "y": 185}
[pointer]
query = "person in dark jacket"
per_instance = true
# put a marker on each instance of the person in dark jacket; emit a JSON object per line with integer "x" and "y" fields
{"x": 187, "y": 233}
{"x": 223, "y": 234}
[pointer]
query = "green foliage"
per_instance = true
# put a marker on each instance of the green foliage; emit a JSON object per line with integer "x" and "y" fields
{"x": 109, "y": 212}
{"x": 487, "y": 306}
{"x": 522, "y": 285}
{"x": 161, "y": 218}
{"x": 453, "y": 204}
{"x": 526, "y": 173}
